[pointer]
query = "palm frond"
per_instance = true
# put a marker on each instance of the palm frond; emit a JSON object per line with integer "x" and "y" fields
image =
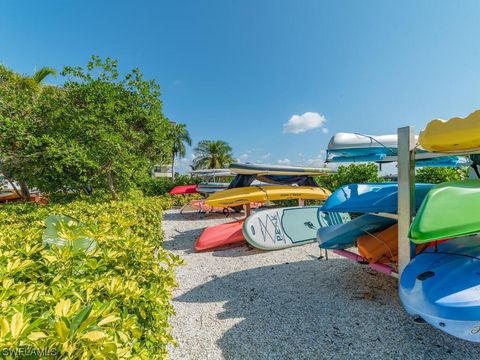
{"x": 41, "y": 74}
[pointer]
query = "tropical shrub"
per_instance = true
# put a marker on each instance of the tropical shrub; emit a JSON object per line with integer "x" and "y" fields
{"x": 353, "y": 173}
{"x": 107, "y": 301}
{"x": 161, "y": 186}
{"x": 436, "y": 175}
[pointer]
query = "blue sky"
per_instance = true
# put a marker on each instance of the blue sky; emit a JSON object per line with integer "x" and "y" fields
{"x": 239, "y": 70}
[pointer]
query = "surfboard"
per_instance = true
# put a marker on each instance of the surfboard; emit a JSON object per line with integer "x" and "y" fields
{"x": 443, "y": 287}
{"x": 281, "y": 228}
{"x": 452, "y": 136}
{"x": 246, "y": 195}
{"x": 211, "y": 173}
{"x": 371, "y": 197}
{"x": 220, "y": 236}
{"x": 261, "y": 169}
{"x": 449, "y": 210}
{"x": 345, "y": 235}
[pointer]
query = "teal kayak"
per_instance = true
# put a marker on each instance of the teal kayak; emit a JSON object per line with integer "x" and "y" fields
{"x": 450, "y": 210}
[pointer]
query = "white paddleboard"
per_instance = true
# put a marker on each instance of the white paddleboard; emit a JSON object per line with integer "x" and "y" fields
{"x": 275, "y": 229}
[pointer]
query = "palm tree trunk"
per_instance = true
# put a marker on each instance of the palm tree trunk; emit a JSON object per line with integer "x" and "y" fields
{"x": 173, "y": 168}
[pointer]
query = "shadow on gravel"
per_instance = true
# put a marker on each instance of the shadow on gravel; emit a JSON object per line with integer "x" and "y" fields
{"x": 183, "y": 240}
{"x": 319, "y": 309}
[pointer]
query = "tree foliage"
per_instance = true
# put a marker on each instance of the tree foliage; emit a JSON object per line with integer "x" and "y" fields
{"x": 353, "y": 173}
{"x": 436, "y": 175}
{"x": 99, "y": 130}
{"x": 19, "y": 95}
{"x": 212, "y": 154}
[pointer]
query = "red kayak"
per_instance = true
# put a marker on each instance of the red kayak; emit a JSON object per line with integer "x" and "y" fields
{"x": 220, "y": 236}
{"x": 183, "y": 189}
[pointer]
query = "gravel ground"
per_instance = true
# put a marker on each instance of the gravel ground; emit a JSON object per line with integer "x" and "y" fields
{"x": 248, "y": 304}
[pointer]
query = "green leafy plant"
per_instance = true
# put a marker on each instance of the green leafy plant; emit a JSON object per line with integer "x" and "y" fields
{"x": 64, "y": 231}
{"x": 353, "y": 173}
{"x": 110, "y": 302}
{"x": 436, "y": 175}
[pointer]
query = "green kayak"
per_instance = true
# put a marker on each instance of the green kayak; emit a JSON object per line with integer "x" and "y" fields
{"x": 451, "y": 209}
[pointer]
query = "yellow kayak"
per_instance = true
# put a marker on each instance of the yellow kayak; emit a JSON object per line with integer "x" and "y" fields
{"x": 454, "y": 135}
{"x": 246, "y": 195}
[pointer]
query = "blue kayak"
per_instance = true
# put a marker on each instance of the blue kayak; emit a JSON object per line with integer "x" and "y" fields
{"x": 373, "y": 197}
{"x": 343, "y": 236}
{"x": 453, "y": 161}
{"x": 443, "y": 287}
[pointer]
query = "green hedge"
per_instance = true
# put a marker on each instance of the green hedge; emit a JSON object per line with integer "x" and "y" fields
{"x": 161, "y": 186}
{"x": 109, "y": 303}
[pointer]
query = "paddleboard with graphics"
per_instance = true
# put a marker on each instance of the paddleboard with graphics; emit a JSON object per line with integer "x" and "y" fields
{"x": 280, "y": 228}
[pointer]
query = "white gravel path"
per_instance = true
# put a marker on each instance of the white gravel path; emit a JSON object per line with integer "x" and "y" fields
{"x": 248, "y": 304}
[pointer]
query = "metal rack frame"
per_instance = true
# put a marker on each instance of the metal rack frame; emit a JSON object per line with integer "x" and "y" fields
{"x": 406, "y": 190}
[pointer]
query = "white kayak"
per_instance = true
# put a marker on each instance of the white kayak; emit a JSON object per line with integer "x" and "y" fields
{"x": 262, "y": 169}
{"x": 351, "y": 144}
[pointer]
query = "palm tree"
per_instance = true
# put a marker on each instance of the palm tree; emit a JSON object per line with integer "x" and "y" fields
{"x": 180, "y": 136}
{"x": 212, "y": 154}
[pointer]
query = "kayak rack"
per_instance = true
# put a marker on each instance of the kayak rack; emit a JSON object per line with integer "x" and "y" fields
{"x": 383, "y": 268}
{"x": 406, "y": 189}
{"x": 406, "y": 159}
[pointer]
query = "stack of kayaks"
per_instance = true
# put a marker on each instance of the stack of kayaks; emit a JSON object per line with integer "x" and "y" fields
{"x": 375, "y": 232}
{"x": 214, "y": 236}
{"x": 245, "y": 195}
{"x": 238, "y": 195}
{"x": 280, "y": 170}
{"x": 442, "y": 284}
{"x": 351, "y": 147}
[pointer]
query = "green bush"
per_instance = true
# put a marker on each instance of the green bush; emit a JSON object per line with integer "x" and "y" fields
{"x": 436, "y": 175}
{"x": 353, "y": 173}
{"x": 161, "y": 186}
{"x": 111, "y": 302}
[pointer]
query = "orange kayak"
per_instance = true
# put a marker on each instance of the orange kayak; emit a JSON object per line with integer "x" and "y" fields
{"x": 221, "y": 236}
{"x": 382, "y": 246}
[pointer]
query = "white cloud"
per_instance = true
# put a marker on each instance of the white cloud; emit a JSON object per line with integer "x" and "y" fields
{"x": 266, "y": 156}
{"x": 325, "y": 130}
{"x": 284, "y": 161}
{"x": 243, "y": 157}
{"x": 302, "y": 123}
{"x": 317, "y": 161}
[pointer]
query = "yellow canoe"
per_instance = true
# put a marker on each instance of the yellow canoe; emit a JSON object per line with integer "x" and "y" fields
{"x": 246, "y": 195}
{"x": 454, "y": 135}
